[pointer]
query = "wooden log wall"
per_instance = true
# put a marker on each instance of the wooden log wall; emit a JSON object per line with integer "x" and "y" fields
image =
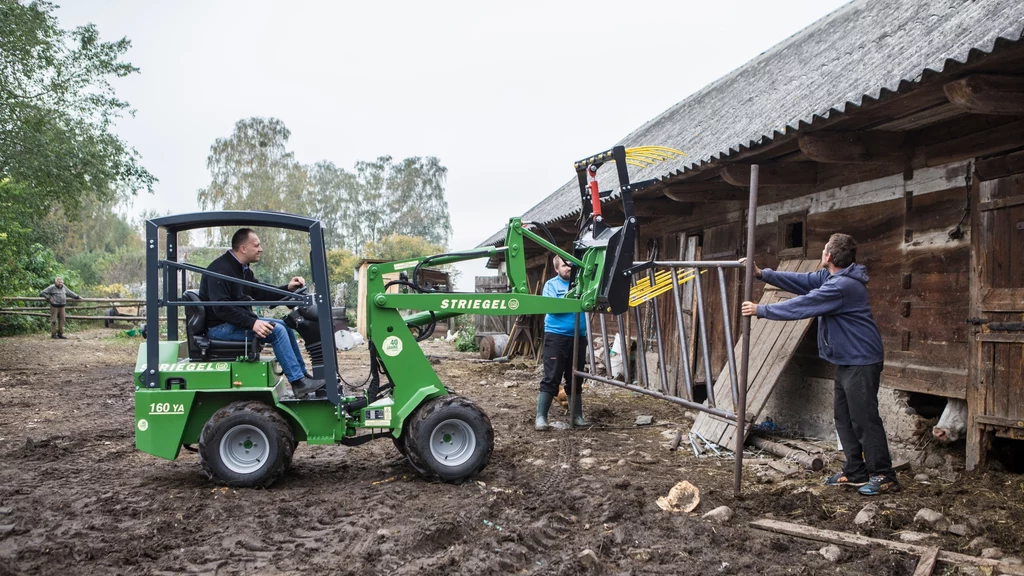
{"x": 919, "y": 271}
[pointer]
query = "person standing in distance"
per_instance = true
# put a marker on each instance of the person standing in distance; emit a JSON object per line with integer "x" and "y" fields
{"x": 848, "y": 338}
{"x": 558, "y": 351}
{"x": 57, "y": 296}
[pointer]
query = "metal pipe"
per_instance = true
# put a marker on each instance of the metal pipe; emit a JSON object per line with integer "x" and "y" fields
{"x": 641, "y": 347}
{"x": 684, "y": 353}
{"x": 727, "y": 322}
{"x": 657, "y": 338}
{"x": 693, "y": 264}
{"x": 709, "y": 378}
{"x": 673, "y": 399}
{"x": 607, "y": 349}
{"x": 590, "y": 343}
{"x": 748, "y": 295}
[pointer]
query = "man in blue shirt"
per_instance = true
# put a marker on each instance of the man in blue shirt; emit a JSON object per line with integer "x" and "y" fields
{"x": 558, "y": 351}
{"x": 848, "y": 338}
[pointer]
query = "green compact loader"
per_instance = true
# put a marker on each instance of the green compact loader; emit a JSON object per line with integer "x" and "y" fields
{"x": 225, "y": 400}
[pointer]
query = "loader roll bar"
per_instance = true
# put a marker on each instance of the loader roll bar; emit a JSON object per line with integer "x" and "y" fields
{"x": 234, "y": 218}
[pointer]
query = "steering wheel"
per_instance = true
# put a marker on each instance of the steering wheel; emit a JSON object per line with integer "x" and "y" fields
{"x": 301, "y": 292}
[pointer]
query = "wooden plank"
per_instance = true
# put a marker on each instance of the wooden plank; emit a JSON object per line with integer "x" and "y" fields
{"x": 768, "y": 337}
{"x": 1004, "y": 385}
{"x": 999, "y": 421}
{"x": 1001, "y": 300}
{"x": 845, "y": 538}
{"x": 722, "y": 192}
{"x": 773, "y": 174}
{"x": 759, "y": 335}
{"x": 974, "y": 455}
{"x": 772, "y": 346}
{"x": 1001, "y": 338}
{"x": 711, "y": 427}
{"x": 854, "y": 146}
{"x": 1015, "y": 255}
{"x": 780, "y": 355}
{"x": 926, "y": 564}
{"x": 1000, "y": 166}
{"x": 83, "y": 317}
{"x": 923, "y": 118}
{"x": 1001, "y": 203}
{"x": 998, "y": 139}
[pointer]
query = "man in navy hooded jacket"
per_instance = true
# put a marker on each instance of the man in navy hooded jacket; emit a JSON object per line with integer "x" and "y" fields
{"x": 848, "y": 338}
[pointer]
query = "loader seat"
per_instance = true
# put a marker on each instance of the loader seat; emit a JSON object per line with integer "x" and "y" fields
{"x": 203, "y": 349}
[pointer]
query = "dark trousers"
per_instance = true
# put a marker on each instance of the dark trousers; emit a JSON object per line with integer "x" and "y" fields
{"x": 858, "y": 423}
{"x": 557, "y": 367}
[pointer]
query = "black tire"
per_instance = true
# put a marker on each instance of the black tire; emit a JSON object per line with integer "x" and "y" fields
{"x": 449, "y": 438}
{"x": 401, "y": 446}
{"x": 246, "y": 444}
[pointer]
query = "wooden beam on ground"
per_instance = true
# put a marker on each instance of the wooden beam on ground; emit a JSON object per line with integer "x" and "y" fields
{"x": 988, "y": 94}
{"x": 926, "y": 565}
{"x": 854, "y": 147}
{"x": 1000, "y": 166}
{"x": 778, "y": 174}
{"x": 803, "y": 458}
{"x": 848, "y": 539}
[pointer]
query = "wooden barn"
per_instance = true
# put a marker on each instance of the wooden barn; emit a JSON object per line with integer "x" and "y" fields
{"x": 897, "y": 121}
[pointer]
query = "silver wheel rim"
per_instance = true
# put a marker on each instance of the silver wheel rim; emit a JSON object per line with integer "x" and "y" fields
{"x": 452, "y": 443}
{"x": 244, "y": 449}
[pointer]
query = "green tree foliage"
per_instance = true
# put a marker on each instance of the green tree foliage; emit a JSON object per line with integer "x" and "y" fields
{"x": 26, "y": 265}
{"x": 61, "y": 166}
{"x": 57, "y": 108}
{"x": 253, "y": 170}
{"x": 400, "y": 247}
{"x": 405, "y": 197}
{"x": 95, "y": 228}
{"x": 363, "y": 211}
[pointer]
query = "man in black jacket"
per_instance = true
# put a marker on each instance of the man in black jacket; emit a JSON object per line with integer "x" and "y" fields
{"x": 239, "y": 323}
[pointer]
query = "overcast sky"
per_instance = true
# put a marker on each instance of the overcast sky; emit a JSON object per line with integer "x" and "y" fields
{"x": 506, "y": 94}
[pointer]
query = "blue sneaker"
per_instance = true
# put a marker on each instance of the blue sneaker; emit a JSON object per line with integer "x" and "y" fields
{"x": 879, "y": 485}
{"x": 841, "y": 479}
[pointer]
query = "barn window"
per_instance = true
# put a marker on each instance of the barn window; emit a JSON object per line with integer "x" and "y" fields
{"x": 793, "y": 235}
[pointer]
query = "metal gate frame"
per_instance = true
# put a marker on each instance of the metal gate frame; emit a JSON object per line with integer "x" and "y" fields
{"x": 737, "y": 374}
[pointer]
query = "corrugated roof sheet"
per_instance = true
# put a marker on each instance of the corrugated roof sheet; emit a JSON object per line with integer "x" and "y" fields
{"x": 863, "y": 51}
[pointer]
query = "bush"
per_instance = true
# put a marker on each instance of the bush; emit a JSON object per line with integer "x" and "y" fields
{"x": 466, "y": 340}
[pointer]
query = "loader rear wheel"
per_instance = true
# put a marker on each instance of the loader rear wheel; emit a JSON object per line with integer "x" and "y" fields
{"x": 449, "y": 438}
{"x": 246, "y": 444}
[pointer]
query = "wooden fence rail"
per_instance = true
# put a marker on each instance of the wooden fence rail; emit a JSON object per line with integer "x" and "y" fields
{"x": 82, "y": 317}
{"x": 121, "y": 301}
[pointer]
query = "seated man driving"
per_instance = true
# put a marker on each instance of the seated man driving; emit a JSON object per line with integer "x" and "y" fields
{"x": 238, "y": 323}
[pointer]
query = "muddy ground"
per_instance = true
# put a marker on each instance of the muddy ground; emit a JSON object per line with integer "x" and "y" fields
{"x": 77, "y": 498}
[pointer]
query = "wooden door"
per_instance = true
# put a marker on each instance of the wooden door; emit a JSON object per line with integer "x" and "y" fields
{"x": 995, "y": 395}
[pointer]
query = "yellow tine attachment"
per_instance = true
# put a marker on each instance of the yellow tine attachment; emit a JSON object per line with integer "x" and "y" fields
{"x": 644, "y": 290}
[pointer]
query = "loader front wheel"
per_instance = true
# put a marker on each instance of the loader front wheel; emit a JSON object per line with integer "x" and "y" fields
{"x": 246, "y": 444}
{"x": 449, "y": 438}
